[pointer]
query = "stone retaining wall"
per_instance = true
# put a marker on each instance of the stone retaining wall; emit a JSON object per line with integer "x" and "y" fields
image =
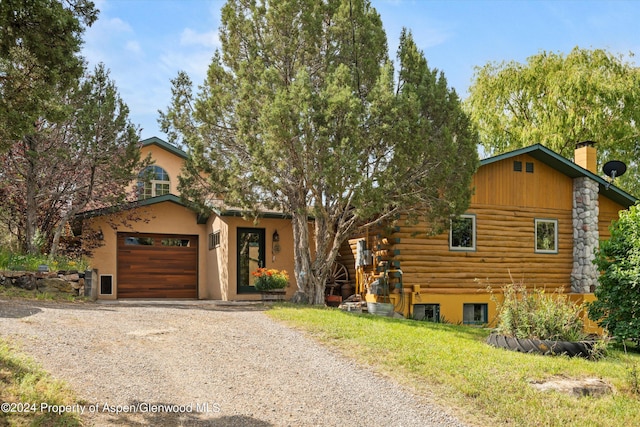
{"x": 67, "y": 282}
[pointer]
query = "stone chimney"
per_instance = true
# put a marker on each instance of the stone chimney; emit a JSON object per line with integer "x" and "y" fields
{"x": 584, "y": 275}
{"x": 585, "y": 156}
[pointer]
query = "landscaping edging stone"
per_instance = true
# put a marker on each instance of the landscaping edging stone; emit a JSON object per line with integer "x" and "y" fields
{"x": 66, "y": 282}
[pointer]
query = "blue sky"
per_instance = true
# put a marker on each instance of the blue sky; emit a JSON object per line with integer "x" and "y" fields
{"x": 144, "y": 43}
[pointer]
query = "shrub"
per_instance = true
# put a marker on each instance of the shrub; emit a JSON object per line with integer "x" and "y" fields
{"x": 268, "y": 279}
{"x": 617, "y": 307}
{"x": 535, "y": 314}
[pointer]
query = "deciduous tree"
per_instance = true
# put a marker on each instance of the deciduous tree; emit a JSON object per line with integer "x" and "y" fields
{"x": 617, "y": 307}
{"x": 559, "y": 100}
{"x": 87, "y": 160}
{"x": 302, "y": 111}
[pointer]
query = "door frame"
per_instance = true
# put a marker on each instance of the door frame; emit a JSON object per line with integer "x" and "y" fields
{"x": 261, "y": 233}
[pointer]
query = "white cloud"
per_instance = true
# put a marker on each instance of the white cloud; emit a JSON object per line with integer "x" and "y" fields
{"x": 190, "y": 37}
{"x": 133, "y": 46}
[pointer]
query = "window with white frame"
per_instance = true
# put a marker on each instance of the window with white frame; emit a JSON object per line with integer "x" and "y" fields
{"x": 546, "y": 236}
{"x": 462, "y": 233}
{"x": 153, "y": 181}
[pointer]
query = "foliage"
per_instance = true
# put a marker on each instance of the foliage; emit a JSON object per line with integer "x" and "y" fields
{"x": 268, "y": 279}
{"x": 454, "y": 363}
{"x": 300, "y": 112}
{"x": 88, "y": 160}
{"x": 535, "y": 314}
{"x": 23, "y": 382}
{"x": 24, "y": 262}
{"x": 617, "y": 307}
{"x": 559, "y": 100}
{"x": 40, "y": 41}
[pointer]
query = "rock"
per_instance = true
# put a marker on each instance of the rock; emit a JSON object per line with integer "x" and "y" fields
{"x": 73, "y": 277}
{"x": 584, "y": 387}
{"x": 27, "y": 281}
{"x": 55, "y": 285}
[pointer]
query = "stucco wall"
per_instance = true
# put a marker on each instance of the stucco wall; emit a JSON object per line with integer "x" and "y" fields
{"x": 165, "y": 217}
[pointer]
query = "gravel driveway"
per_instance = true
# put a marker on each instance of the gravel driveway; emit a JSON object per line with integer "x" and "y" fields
{"x": 218, "y": 365}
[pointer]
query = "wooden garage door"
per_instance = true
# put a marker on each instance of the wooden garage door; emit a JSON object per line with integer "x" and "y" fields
{"x": 157, "y": 266}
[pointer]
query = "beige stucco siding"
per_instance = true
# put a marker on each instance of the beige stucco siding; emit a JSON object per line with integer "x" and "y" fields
{"x": 161, "y": 218}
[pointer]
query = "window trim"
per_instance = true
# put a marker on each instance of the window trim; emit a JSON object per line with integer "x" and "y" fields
{"x": 153, "y": 183}
{"x": 536, "y": 221}
{"x": 472, "y": 248}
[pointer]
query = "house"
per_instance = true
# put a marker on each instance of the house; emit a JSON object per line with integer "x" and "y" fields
{"x": 161, "y": 248}
{"x": 535, "y": 218}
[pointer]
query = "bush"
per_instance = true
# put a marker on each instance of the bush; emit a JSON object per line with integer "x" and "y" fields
{"x": 270, "y": 279}
{"x": 16, "y": 261}
{"x": 537, "y": 315}
{"x": 617, "y": 308}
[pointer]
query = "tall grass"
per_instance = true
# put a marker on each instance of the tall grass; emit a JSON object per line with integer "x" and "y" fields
{"x": 486, "y": 385}
{"x": 15, "y": 261}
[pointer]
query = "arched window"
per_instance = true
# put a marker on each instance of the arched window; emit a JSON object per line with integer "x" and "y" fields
{"x": 153, "y": 181}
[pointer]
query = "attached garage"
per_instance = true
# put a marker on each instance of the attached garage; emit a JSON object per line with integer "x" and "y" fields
{"x": 157, "y": 266}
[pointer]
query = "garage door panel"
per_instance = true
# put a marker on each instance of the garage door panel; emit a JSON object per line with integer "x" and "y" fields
{"x": 157, "y": 271}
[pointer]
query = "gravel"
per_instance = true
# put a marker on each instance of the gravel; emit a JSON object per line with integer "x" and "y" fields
{"x": 217, "y": 365}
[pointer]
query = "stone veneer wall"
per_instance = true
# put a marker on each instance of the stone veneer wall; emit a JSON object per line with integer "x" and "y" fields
{"x": 584, "y": 276}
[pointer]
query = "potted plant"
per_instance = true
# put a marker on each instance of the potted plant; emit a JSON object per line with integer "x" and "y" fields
{"x": 271, "y": 283}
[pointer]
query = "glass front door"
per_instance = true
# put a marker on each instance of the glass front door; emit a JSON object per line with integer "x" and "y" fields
{"x": 250, "y": 257}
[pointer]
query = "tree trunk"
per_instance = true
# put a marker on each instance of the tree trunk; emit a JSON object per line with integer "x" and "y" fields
{"x": 310, "y": 288}
{"x": 31, "y": 215}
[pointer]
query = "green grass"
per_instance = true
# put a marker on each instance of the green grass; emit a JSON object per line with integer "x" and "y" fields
{"x": 17, "y": 293}
{"x": 489, "y": 386}
{"x": 14, "y": 261}
{"x": 23, "y": 382}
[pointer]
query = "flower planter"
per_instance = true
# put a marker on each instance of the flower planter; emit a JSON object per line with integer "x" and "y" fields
{"x": 273, "y": 295}
{"x": 545, "y": 347}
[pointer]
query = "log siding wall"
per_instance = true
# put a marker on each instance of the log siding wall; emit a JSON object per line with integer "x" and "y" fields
{"x": 506, "y": 203}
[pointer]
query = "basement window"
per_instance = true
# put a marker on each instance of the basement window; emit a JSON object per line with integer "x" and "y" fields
{"x": 427, "y": 312}
{"x": 546, "y": 236}
{"x": 475, "y": 314}
{"x": 462, "y": 233}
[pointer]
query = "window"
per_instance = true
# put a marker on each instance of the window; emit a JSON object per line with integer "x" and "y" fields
{"x": 214, "y": 240}
{"x": 546, "y": 236}
{"x": 475, "y": 314}
{"x": 428, "y": 312}
{"x": 251, "y": 256}
{"x": 138, "y": 241}
{"x": 462, "y": 234}
{"x": 184, "y": 243}
{"x": 153, "y": 181}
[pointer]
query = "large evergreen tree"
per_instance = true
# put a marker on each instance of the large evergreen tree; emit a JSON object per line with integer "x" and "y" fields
{"x": 40, "y": 41}
{"x": 302, "y": 111}
{"x": 559, "y": 100}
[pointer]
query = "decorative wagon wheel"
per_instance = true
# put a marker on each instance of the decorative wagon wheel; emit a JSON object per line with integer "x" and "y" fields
{"x": 338, "y": 276}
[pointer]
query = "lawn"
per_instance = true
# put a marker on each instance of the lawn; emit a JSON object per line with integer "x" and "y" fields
{"x": 25, "y": 389}
{"x": 489, "y": 386}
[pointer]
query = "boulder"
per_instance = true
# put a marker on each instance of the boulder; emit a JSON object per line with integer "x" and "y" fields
{"x": 26, "y": 281}
{"x": 55, "y": 284}
{"x": 575, "y": 387}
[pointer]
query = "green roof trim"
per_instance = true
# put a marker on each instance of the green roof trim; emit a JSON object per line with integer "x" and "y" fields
{"x": 172, "y": 198}
{"x": 567, "y": 167}
{"x": 164, "y": 145}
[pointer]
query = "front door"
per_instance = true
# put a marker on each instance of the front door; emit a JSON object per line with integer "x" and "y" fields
{"x": 250, "y": 257}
